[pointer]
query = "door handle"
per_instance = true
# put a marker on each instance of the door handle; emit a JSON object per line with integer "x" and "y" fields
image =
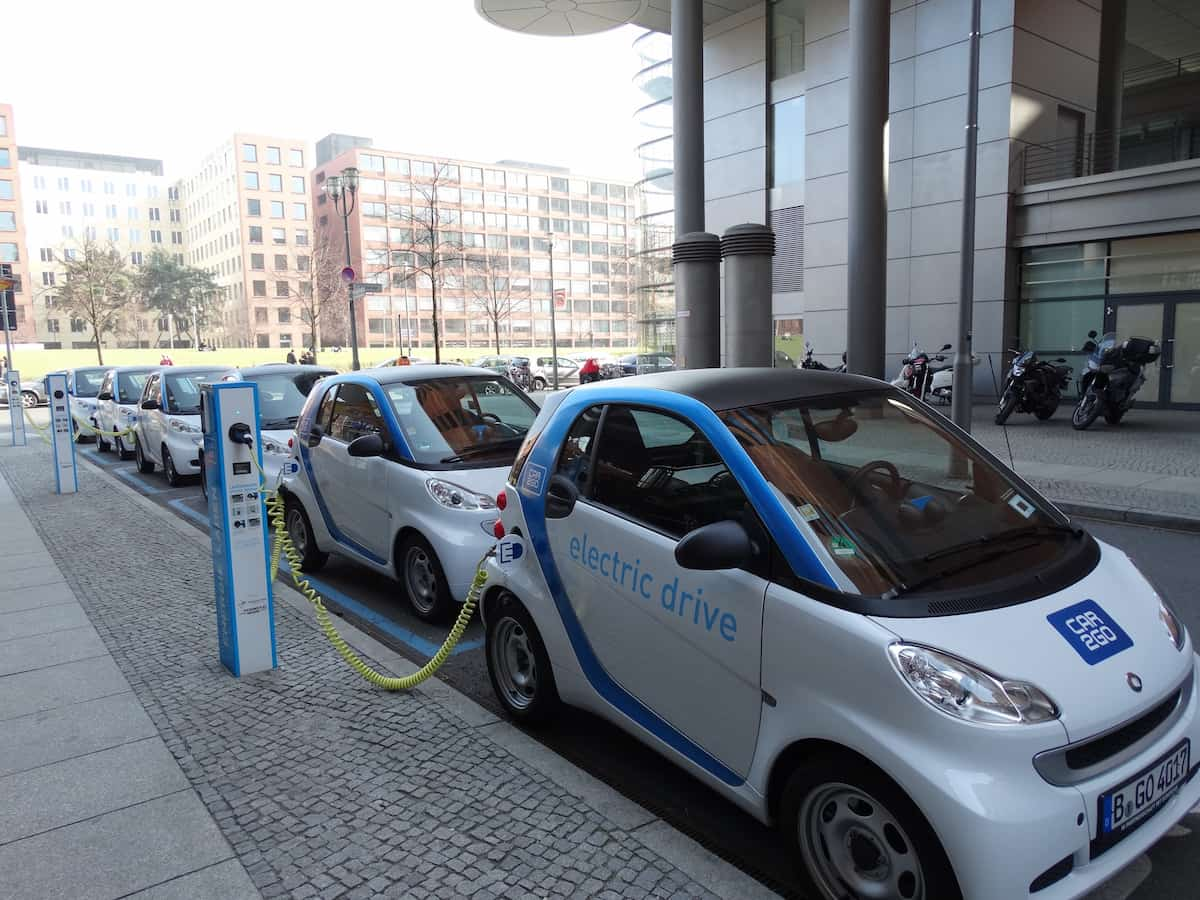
{"x": 561, "y": 495}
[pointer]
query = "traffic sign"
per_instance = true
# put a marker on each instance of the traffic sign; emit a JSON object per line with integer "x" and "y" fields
{"x": 348, "y": 274}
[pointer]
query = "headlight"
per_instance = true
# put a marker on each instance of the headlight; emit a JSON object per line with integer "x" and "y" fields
{"x": 182, "y": 426}
{"x": 1175, "y": 629}
{"x": 457, "y": 497}
{"x": 964, "y": 691}
{"x": 1018, "y": 370}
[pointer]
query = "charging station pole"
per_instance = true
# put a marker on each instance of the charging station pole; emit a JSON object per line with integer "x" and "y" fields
{"x": 62, "y": 435}
{"x": 16, "y": 407}
{"x": 238, "y": 527}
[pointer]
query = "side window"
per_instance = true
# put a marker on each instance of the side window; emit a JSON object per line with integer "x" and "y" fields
{"x": 574, "y": 460}
{"x": 325, "y": 410}
{"x": 106, "y": 385}
{"x": 355, "y": 413}
{"x": 657, "y": 469}
{"x": 152, "y": 391}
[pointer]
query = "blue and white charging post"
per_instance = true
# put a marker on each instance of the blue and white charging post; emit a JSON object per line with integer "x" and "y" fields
{"x": 62, "y": 435}
{"x": 238, "y": 527}
{"x": 16, "y": 407}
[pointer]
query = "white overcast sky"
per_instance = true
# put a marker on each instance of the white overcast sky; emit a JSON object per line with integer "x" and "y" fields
{"x": 424, "y": 76}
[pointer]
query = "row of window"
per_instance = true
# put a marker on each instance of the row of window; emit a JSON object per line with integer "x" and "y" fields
{"x": 50, "y": 279}
{"x": 441, "y": 195}
{"x": 87, "y": 186}
{"x": 518, "y": 327}
{"x": 88, "y": 210}
{"x": 281, "y": 262}
{"x": 278, "y": 209}
{"x": 251, "y": 181}
{"x": 279, "y": 235}
{"x": 520, "y": 305}
{"x": 448, "y": 172}
{"x": 262, "y": 315}
{"x": 448, "y": 218}
{"x": 112, "y": 233}
{"x": 273, "y": 155}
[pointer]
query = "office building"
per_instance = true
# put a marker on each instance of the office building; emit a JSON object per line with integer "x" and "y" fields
{"x": 495, "y": 223}
{"x": 1087, "y": 195}
{"x": 12, "y": 225}
{"x": 249, "y": 224}
{"x": 71, "y": 198}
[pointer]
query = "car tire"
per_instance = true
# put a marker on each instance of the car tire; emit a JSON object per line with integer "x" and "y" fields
{"x": 854, "y": 833}
{"x": 174, "y": 479}
{"x": 300, "y": 531}
{"x": 102, "y": 446}
{"x": 518, "y": 664}
{"x": 122, "y": 451}
{"x": 424, "y": 580}
{"x": 539, "y": 384}
{"x": 29, "y": 399}
{"x": 144, "y": 465}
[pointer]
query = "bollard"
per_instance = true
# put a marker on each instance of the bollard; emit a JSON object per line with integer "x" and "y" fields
{"x": 697, "y": 271}
{"x": 747, "y": 250}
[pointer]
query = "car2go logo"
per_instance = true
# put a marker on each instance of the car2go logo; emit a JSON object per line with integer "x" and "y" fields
{"x": 1093, "y": 633}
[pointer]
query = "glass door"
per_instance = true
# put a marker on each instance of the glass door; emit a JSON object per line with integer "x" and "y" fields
{"x": 1183, "y": 355}
{"x": 1143, "y": 320}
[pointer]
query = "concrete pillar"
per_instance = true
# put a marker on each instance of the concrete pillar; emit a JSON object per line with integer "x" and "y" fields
{"x": 747, "y": 250}
{"x": 687, "y": 109}
{"x": 697, "y": 264}
{"x": 1110, "y": 88}
{"x": 866, "y": 306}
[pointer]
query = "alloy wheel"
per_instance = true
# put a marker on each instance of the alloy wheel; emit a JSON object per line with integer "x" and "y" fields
{"x": 297, "y": 530}
{"x": 420, "y": 577}
{"x": 28, "y": 400}
{"x": 514, "y": 663}
{"x": 853, "y": 846}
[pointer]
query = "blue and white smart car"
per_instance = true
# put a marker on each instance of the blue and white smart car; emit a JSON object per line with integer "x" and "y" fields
{"x": 398, "y": 469}
{"x": 845, "y": 615}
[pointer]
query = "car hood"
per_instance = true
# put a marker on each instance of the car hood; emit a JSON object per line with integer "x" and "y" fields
{"x": 488, "y": 481}
{"x": 1027, "y": 642}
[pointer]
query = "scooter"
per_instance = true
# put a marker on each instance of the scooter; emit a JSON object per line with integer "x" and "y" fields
{"x": 1032, "y": 386}
{"x": 1114, "y": 375}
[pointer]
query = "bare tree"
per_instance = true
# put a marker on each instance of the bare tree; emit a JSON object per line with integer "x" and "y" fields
{"x": 492, "y": 292}
{"x": 97, "y": 286}
{"x": 317, "y": 291}
{"x": 434, "y": 243}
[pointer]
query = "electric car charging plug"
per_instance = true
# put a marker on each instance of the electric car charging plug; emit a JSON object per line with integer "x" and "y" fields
{"x": 239, "y": 433}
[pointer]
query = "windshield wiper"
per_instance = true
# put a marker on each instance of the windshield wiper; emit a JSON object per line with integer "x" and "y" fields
{"x": 276, "y": 424}
{"x": 481, "y": 449}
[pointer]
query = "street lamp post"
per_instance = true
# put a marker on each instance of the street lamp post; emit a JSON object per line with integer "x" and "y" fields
{"x": 553, "y": 324}
{"x": 407, "y": 317}
{"x": 343, "y": 190}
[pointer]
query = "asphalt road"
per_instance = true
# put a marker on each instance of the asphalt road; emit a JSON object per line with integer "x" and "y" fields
{"x": 375, "y": 604}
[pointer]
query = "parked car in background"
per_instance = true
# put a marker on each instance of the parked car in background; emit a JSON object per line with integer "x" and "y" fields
{"x": 117, "y": 406}
{"x": 543, "y": 372}
{"x": 639, "y": 364}
{"x": 168, "y": 426}
{"x": 33, "y": 393}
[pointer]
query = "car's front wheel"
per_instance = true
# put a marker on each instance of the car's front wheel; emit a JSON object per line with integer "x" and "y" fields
{"x": 174, "y": 479}
{"x": 423, "y": 579}
{"x": 858, "y": 835}
{"x": 518, "y": 665}
{"x": 539, "y": 384}
{"x": 145, "y": 466}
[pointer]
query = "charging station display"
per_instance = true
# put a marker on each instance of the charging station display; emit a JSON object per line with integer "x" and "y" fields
{"x": 16, "y": 408}
{"x": 238, "y": 527}
{"x": 62, "y": 435}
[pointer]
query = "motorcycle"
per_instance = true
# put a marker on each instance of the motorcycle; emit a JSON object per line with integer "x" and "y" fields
{"x": 1114, "y": 375}
{"x": 1032, "y": 386}
{"x": 921, "y": 378}
{"x": 520, "y": 375}
{"x": 817, "y": 365}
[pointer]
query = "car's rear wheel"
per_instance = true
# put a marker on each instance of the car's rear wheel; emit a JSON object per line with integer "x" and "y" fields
{"x": 518, "y": 665}
{"x": 859, "y": 836}
{"x": 123, "y": 452}
{"x": 423, "y": 579}
{"x": 174, "y": 479}
{"x": 539, "y": 384}
{"x": 300, "y": 531}
{"x": 102, "y": 446}
{"x": 29, "y": 399}
{"x": 144, "y": 465}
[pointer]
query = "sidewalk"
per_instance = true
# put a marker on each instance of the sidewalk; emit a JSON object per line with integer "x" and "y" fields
{"x": 136, "y": 758}
{"x": 1145, "y": 470}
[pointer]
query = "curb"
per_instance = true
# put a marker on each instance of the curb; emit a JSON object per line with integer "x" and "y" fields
{"x": 1129, "y": 516}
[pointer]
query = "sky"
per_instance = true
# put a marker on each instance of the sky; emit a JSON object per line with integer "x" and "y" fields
{"x": 170, "y": 79}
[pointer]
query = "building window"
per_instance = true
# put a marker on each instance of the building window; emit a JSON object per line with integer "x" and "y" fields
{"x": 274, "y": 157}
{"x": 301, "y": 263}
{"x": 176, "y": 237}
{"x": 278, "y": 236}
{"x": 281, "y": 262}
{"x": 249, "y": 153}
{"x": 257, "y": 261}
{"x": 274, "y": 182}
{"x": 276, "y": 209}
{"x": 259, "y": 288}
{"x": 295, "y": 157}
{"x": 52, "y": 325}
{"x": 78, "y": 325}
{"x": 285, "y": 340}
{"x": 260, "y": 315}
{"x": 301, "y": 237}
{"x": 48, "y": 279}
{"x": 64, "y": 207}
{"x": 281, "y": 289}
{"x": 787, "y": 142}
{"x": 64, "y": 184}
{"x": 285, "y": 317}
{"x": 6, "y": 189}
{"x": 250, "y": 180}
{"x": 297, "y": 184}
{"x": 155, "y": 236}
{"x": 370, "y": 162}
{"x": 155, "y": 214}
{"x": 256, "y": 234}
{"x": 41, "y": 206}
{"x": 135, "y": 258}
{"x": 9, "y": 253}
{"x": 300, "y": 211}
{"x": 8, "y": 221}
{"x": 131, "y": 190}
{"x": 262, "y": 340}
{"x": 175, "y": 216}
{"x": 253, "y": 207}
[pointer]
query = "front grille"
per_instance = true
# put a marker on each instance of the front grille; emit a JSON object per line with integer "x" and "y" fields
{"x": 1094, "y": 752}
{"x": 1052, "y": 875}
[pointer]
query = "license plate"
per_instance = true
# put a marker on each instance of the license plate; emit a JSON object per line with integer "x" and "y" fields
{"x": 1127, "y": 806}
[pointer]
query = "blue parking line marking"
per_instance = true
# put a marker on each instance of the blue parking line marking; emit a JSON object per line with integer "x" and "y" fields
{"x": 378, "y": 620}
{"x": 136, "y": 482}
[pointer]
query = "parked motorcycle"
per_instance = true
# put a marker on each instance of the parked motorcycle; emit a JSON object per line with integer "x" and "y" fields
{"x": 817, "y": 365}
{"x": 1032, "y": 386}
{"x": 1114, "y": 375}
{"x": 922, "y": 378}
{"x": 520, "y": 374}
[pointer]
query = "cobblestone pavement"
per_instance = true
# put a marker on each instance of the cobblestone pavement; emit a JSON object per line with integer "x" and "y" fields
{"x": 323, "y": 785}
{"x": 1150, "y": 462}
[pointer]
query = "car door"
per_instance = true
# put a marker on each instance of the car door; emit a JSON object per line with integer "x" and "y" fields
{"x": 686, "y": 644}
{"x": 355, "y": 489}
{"x": 150, "y": 420}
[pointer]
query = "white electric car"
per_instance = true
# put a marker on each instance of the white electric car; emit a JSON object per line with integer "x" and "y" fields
{"x": 398, "y": 469}
{"x": 842, "y": 613}
{"x": 117, "y": 407}
{"x": 83, "y": 385}
{"x": 168, "y": 424}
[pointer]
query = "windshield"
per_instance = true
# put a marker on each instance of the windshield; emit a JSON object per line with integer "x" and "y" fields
{"x": 281, "y": 396}
{"x": 455, "y": 420}
{"x": 1024, "y": 359}
{"x": 88, "y": 381}
{"x": 181, "y": 391}
{"x": 129, "y": 386}
{"x": 890, "y": 498}
{"x": 1103, "y": 346}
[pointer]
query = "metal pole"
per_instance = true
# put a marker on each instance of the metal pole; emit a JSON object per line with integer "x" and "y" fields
{"x": 963, "y": 393}
{"x": 4, "y": 297}
{"x": 195, "y": 328}
{"x": 866, "y": 278}
{"x": 346, "y": 210}
{"x": 407, "y": 315}
{"x": 553, "y": 326}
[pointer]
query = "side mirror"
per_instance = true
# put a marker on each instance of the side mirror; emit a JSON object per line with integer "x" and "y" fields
{"x": 721, "y": 545}
{"x": 149, "y": 404}
{"x": 944, "y": 347}
{"x": 104, "y": 395}
{"x": 561, "y": 495}
{"x": 366, "y": 445}
{"x": 1091, "y": 334}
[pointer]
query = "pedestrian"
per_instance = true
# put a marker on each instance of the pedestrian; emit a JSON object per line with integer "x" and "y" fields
{"x": 589, "y": 371}
{"x": 165, "y": 361}
{"x": 291, "y": 358}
